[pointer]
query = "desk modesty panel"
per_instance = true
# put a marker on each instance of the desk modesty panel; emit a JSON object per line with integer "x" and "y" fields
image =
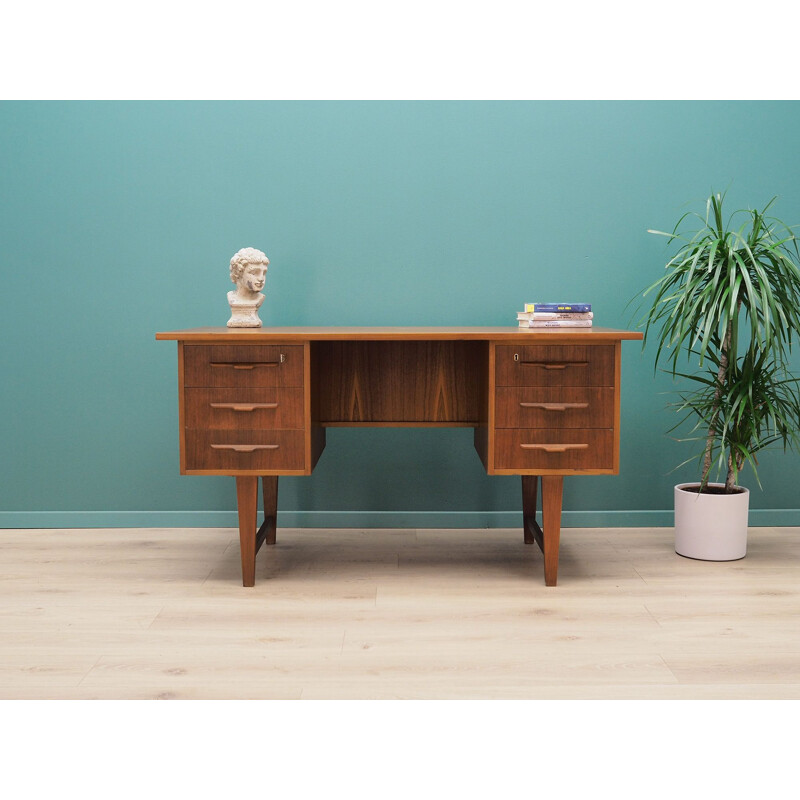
{"x": 255, "y": 402}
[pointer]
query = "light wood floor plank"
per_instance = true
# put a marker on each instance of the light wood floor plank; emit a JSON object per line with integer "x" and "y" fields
{"x": 370, "y": 614}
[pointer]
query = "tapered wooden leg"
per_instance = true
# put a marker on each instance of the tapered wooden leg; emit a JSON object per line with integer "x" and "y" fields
{"x": 552, "y": 492}
{"x": 269, "y": 485}
{"x": 247, "y": 501}
{"x": 529, "y": 486}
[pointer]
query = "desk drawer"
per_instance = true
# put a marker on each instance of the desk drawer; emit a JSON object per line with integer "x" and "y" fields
{"x": 244, "y": 449}
{"x": 249, "y": 409}
{"x": 243, "y": 365}
{"x": 563, "y": 448}
{"x": 561, "y": 407}
{"x": 555, "y": 365}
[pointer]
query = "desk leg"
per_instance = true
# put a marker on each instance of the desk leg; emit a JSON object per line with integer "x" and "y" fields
{"x": 529, "y": 491}
{"x": 549, "y": 538}
{"x": 247, "y": 501}
{"x": 552, "y": 492}
{"x": 269, "y": 484}
{"x": 250, "y": 540}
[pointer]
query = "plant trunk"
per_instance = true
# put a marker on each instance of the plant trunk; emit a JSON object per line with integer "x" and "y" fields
{"x": 723, "y": 368}
{"x": 730, "y": 481}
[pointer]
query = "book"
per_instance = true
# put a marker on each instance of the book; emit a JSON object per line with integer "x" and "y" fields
{"x": 553, "y": 315}
{"x": 570, "y": 308}
{"x": 555, "y": 323}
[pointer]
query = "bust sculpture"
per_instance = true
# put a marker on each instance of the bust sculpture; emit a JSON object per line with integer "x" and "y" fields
{"x": 248, "y": 272}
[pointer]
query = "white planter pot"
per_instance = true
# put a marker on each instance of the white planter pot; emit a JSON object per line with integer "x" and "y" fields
{"x": 711, "y": 527}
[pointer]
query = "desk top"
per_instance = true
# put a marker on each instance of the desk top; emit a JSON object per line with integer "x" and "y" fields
{"x": 264, "y": 335}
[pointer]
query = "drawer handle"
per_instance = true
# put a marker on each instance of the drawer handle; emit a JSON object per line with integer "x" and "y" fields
{"x": 554, "y": 448}
{"x": 554, "y": 364}
{"x": 245, "y": 448}
{"x": 246, "y": 365}
{"x": 242, "y": 406}
{"x": 554, "y": 406}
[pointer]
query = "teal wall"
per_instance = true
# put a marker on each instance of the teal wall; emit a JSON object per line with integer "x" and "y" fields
{"x": 118, "y": 220}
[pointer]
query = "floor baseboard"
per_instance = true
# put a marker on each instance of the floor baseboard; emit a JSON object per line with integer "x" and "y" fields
{"x": 363, "y": 519}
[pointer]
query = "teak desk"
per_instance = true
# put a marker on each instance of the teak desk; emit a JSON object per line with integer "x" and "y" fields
{"x": 255, "y": 402}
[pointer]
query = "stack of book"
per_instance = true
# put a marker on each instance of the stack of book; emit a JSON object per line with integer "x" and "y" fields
{"x": 556, "y": 315}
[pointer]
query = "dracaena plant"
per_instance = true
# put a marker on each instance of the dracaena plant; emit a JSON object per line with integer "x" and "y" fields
{"x": 730, "y": 298}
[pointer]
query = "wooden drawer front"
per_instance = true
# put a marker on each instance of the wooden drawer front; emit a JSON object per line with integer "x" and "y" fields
{"x": 555, "y": 365}
{"x": 563, "y": 448}
{"x": 243, "y": 365}
{"x": 237, "y": 449}
{"x": 560, "y": 407}
{"x": 250, "y": 409}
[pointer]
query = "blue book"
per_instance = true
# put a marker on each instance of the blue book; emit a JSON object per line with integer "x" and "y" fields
{"x": 573, "y": 308}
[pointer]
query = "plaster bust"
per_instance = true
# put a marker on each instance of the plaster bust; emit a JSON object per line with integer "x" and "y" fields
{"x": 248, "y": 272}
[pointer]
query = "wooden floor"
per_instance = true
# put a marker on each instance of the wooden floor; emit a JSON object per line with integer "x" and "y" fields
{"x": 160, "y": 613}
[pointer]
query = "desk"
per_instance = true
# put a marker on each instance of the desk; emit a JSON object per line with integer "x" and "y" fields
{"x": 255, "y": 403}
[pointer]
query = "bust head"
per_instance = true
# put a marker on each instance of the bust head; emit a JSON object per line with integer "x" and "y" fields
{"x": 249, "y": 271}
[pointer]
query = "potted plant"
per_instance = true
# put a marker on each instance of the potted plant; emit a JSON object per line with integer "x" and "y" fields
{"x": 730, "y": 301}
